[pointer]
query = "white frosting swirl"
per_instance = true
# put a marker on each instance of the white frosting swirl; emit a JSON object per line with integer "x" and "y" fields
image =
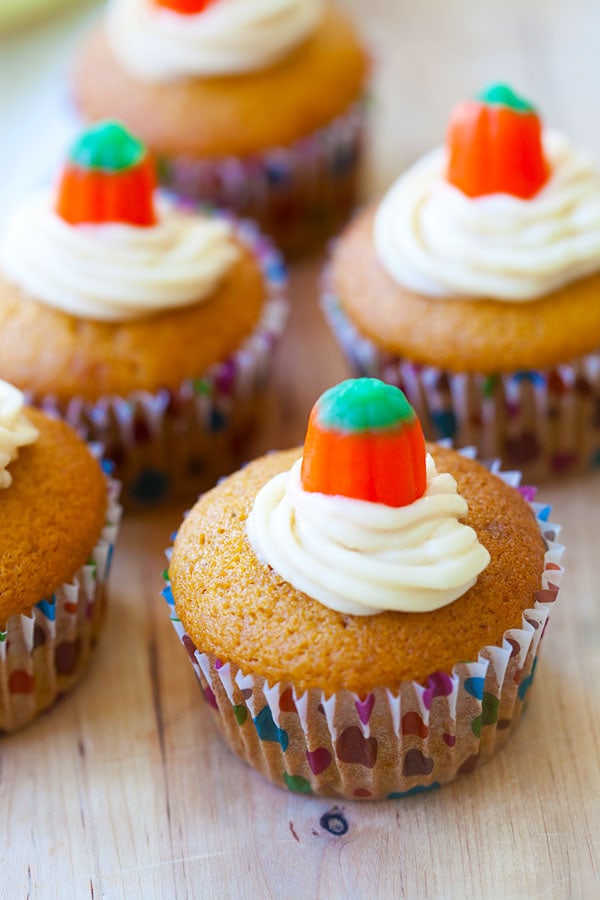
{"x": 362, "y": 558}
{"x": 15, "y": 429}
{"x": 116, "y": 272}
{"x": 229, "y": 37}
{"x": 435, "y": 240}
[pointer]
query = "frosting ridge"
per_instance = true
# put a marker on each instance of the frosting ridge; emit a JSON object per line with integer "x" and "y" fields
{"x": 361, "y": 558}
{"x": 116, "y": 272}
{"x": 433, "y": 239}
{"x": 15, "y": 429}
{"x": 227, "y": 38}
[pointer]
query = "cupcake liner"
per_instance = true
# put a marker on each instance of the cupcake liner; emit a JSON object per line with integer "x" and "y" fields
{"x": 44, "y": 653}
{"x": 546, "y": 422}
{"x": 301, "y": 194}
{"x": 387, "y": 744}
{"x": 173, "y": 443}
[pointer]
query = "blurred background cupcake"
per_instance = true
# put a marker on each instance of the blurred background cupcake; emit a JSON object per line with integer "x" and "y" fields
{"x": 58, "y": 523}
{"x": 364, "y": 615}
{"x": 473, "y": 285}
{"x": 149, "y": 328}
{"x": 257, "y": 106}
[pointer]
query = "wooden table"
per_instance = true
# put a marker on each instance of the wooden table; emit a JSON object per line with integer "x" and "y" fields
{"x": 124, "y": 790}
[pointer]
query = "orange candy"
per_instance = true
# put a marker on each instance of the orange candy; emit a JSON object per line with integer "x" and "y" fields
{"x": 496, "y": 146}
{"x": 97, "y": 197}
{"x": 380, "y": 464}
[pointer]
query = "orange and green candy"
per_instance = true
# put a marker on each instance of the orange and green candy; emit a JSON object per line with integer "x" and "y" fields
{"x": 495, "y": 146}
{"x": 109, "y": 177}
{"x": 365, "y": 441}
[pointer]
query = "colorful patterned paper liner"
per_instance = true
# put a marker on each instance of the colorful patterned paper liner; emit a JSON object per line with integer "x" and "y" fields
{"x": 300, "y": 194}
{"x": 546, "y": 422}
{"x": 388, "y": 744}
{"x": 44, "y": 654}
{"x": 174, "y": 443}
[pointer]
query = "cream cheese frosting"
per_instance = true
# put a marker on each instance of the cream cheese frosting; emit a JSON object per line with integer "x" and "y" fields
{"x": 229, "y": 37}
{"x": 116, "y": 272}
{"x": 433, "y": 239}
{"x": 362, "y": 558}
{"x": 15, "y": 429}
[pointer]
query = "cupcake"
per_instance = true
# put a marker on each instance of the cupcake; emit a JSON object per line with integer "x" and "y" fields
{"x": 473, "y": 286}
{"x": 58, "y": 523}
{"x": 226, "y": 94}
{"x": 146, "y": 326}
{"x": 364, "y": 615}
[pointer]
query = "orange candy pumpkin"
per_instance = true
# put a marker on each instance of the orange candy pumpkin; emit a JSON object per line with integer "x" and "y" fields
{"x": 364, "y": 441}
{"x": 495, "y": 146}
{"x": 109, "y": 177}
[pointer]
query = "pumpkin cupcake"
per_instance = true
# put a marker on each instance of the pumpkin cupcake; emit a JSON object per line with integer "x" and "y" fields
{"x": 256, "y": 106}
{"x": 58, "y": 523}
{"x": 364, "y": 615}
{"x": 473, "y": 285}
{"x": 146, "y": 326}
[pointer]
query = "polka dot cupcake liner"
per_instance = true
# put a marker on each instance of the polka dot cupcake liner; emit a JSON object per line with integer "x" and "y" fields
{"x": 301, "y": 194}
{"x": 390, "y": 743}
{"x": 174, "y": 443}
{"x": 44, "y": 653}
{"x": 546, "y": 422}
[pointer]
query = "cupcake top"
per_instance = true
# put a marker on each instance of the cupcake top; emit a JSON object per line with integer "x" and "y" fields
{"x": 505, "y": 210}
{"x": 53, "y": 501}
{"x": 167, "y": 40}
{"x": 241, "y": 610}
{"x": 103, "y": 246}
{"x": 364, "y": 522}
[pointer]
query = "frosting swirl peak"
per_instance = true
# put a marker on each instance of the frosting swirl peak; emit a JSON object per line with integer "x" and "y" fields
{"x": 361, "y": 558}
{"x": 116, "y": 272}
{"x": 436, "y": 240}
{"x": 227, "y": 38}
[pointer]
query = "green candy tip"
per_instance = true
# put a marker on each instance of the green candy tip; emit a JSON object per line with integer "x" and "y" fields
{"x": 499, "y": 94}
{"x": 107, "y": 146}
{"x": 363, "y": 404}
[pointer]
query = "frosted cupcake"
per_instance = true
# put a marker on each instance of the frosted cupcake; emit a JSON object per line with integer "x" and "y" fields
{"x": 58, "y": 523}
{"x": 228, "y": 94}
{"x": 148, "y": 327}
{"x": 473, "y": 285}
{"x": 364, "y": 615}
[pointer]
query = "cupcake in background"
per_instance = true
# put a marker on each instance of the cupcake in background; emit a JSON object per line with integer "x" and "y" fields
{"x": 473, "y": 285}
{"x": 364, "y": 614}
{"x": 255, "y": 106}
{"x": 148, "y": 327}
{"x": 59, "y": 518}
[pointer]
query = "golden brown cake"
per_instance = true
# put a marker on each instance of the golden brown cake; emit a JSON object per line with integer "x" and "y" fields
{"x": 277, "y": 137}
{"x": 58, "y": 498}
{"x": 58, "y": 523}
{"x": 457, "y": 334}
{"x": 232, "y": 115}
{"x": 364, "y": 619}
{"x": 66, "y": 356}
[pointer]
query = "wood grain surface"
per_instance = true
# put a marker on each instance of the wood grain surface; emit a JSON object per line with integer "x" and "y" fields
{"x": 124, "y": 790}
